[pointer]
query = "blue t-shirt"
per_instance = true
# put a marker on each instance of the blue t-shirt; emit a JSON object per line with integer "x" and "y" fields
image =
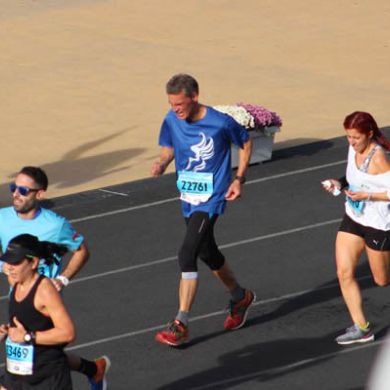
{"x": 203, "y": 158}
{"x": 47, "y": 226}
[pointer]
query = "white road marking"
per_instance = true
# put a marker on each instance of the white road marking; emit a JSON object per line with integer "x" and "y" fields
{"x": 112, "y": 192}
{"x": 168, "y": 200}
{"x": 172, "y": 258}
{"x": 204, "y": 316}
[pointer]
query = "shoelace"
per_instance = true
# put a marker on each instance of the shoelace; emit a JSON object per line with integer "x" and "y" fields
{"x": 354, "y": 328}
{"x": 175, "y": 328}
{"x": 351, "y": 329}
{"x": 233, "y": 308}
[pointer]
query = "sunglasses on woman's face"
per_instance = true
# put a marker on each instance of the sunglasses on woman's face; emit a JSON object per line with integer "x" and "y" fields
{"x": 23, "y": 190}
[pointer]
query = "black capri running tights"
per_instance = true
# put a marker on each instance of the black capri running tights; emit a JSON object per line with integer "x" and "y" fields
{"x": 199, "y": 242}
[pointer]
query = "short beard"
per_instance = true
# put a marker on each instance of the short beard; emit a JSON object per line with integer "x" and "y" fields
{"x": 26, "y": 208}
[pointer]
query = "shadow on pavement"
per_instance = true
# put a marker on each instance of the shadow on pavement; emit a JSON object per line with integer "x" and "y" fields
{"x": 323, "y": 293}
{"x": 309, "y": 147}
{"x": 302, "y": 147}
{"x": 76, "y": 167}
{"x": 261, "y": 362}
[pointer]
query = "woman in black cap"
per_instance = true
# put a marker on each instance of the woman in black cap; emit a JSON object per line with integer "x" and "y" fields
{"x": 39, "y": 325}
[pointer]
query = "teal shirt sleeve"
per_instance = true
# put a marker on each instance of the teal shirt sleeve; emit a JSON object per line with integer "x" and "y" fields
{"x": 69, "y": 237}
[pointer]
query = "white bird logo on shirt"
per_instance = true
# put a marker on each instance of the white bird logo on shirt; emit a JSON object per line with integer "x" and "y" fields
{"x": 203, "y": 151}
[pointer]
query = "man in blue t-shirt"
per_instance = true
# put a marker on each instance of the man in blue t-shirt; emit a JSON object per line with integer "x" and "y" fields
{"x": 27, "y": 216}
{"x": 199, "y": 139}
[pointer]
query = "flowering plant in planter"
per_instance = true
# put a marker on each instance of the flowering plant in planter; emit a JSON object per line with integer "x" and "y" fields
{"x": 253, "y": 117}
{"x": 239, "y": 114}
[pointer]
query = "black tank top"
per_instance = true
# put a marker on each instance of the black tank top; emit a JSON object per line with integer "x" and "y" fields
{"x": 48, "y": 359}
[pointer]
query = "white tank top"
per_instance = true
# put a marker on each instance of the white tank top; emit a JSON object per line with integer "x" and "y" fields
{"x": 374, "y": 213}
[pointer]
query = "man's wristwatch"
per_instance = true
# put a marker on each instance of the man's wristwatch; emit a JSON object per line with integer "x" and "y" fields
{"x": 29, "y": 338}
{"x": 241, "y": 179}
{"x": 64, "y": 280}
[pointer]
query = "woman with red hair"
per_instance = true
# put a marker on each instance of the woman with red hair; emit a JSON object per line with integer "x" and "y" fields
{"x": 366, "y": 223}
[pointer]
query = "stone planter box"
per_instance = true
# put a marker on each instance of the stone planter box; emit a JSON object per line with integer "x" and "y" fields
{"x": 262, "y": 147}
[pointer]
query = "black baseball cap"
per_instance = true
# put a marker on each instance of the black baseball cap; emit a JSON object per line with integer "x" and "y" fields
{"x": 20, "y": 248}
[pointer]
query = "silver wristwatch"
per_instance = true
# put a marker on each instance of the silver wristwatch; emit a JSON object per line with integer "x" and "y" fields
{"x": 29, "y": 338}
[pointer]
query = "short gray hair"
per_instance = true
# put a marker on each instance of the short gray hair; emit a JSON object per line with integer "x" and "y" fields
{"x": 182, "y": 83}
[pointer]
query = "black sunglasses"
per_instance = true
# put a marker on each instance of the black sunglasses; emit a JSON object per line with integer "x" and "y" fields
{"x": 23, "y": 190}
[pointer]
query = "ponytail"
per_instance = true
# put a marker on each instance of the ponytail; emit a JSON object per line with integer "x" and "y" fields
{"x": 50, "y": 252}
{"x": 381, "y": 139}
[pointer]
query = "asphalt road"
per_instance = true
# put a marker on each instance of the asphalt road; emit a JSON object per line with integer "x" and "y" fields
{"x": 278, "y": 238}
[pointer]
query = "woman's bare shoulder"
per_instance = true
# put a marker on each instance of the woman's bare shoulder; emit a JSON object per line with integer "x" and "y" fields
{"x": 46, "y": 290}
{"x": 381, "y": 160}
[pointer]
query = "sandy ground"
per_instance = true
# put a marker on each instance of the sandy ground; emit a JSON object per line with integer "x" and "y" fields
{"x": 82, "y": 82}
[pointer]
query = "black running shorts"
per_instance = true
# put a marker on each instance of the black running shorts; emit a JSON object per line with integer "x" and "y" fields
{"x": 199, "y": 241}
{"x": 376, "y": 239}
{"x": 59, "y": 381}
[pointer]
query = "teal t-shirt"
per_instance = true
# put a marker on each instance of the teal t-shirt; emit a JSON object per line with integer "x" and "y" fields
{"x": 47, "y": 226}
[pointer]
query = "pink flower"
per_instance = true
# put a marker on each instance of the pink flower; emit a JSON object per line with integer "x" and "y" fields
{"x": 262, "y": 116}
